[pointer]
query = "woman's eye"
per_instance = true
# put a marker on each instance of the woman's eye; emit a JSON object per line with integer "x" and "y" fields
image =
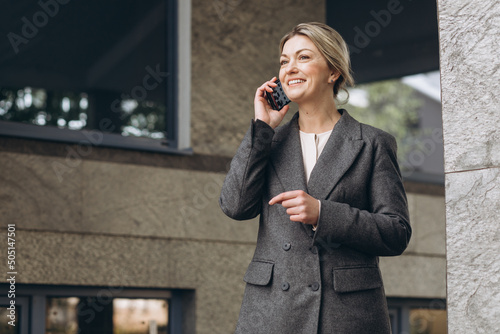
{"x": 283, "y": 62}
{"x": 302, "y": 57}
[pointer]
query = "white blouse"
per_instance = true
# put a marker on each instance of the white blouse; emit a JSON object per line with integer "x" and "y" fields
{"x": 312, "y": 145}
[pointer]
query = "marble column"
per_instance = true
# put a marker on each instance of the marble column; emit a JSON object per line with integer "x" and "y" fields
{"x": 470, "y": 78}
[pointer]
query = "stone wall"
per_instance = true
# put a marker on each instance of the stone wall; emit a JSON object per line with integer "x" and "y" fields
{"x": 470, "y": 77}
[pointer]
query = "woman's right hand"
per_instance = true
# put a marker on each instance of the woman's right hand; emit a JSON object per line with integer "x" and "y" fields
{"x": 263, "y": 109}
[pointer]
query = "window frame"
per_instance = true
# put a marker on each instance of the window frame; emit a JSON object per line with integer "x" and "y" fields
{"x": 23, "y": 317}
{"x": 32, "y": 299}
{"x": 177, "y": 99}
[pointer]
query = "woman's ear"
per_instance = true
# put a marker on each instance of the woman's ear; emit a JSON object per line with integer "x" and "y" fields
{"x": 333, "y": 77}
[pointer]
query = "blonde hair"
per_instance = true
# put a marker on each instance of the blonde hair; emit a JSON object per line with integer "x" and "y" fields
{"x": 332, "y": 46}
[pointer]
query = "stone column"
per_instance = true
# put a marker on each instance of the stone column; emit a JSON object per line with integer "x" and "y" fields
{"x": 470, "y": 79}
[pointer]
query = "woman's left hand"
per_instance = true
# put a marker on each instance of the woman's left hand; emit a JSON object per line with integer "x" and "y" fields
{"x": 300, "y": 206}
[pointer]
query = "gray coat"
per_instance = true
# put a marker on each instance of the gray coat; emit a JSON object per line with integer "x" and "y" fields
{"x": 328, "y": 281}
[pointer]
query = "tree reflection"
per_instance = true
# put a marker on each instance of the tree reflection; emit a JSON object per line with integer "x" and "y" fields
{"x": 393, "y": 107}
{"x": 77, "y": 111}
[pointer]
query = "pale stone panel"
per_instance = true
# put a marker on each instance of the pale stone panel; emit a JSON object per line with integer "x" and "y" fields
{"x": 151, "y": 201}
{"x": 124, "y": 199}
{"x": 110, "y": 198}
{"x": 414, "y": 276}
{"x": 470, "y": 82}
{"x": 40, "y": 192}
{"x": 473, "y": 245}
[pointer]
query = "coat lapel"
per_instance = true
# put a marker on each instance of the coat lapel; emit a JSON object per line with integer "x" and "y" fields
{"x": 287, "y": 157}
{"x": 339, "y": 154}
{"x": 287, "y": 161}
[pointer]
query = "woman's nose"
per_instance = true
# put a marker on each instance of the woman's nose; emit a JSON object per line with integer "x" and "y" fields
{"x": 291, "y": 67}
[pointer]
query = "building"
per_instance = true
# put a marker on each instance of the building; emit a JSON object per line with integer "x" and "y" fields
{"x": 101, "y": 216}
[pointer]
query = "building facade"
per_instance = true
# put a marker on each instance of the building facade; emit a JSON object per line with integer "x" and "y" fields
{"x": 103, "y": 224}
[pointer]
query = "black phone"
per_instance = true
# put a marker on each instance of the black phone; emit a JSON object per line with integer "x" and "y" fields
{"x": 277, "y": 99}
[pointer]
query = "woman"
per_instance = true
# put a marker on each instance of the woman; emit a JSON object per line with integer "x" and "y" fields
{"x": 330, "y": 198}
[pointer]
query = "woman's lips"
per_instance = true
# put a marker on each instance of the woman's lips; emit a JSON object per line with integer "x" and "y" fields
{"x": 295, "y": 81}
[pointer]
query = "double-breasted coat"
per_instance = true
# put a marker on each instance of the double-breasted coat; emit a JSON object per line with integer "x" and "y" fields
{"x": 324, "y": 281}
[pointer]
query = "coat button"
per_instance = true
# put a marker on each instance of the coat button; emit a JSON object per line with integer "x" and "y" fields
{"x": 285, "y": 286}
{"x": 287, "y": 246}
{"x": 315, "y": 286}
{"x": 314, "y": 250}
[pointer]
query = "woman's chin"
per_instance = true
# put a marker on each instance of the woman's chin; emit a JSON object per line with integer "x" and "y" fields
{"x": 294, "y": 97}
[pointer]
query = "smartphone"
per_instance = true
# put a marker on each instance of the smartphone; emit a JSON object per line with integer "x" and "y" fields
{"x": 277, "y": 99}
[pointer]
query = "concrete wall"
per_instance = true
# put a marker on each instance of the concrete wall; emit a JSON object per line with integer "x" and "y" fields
{"x": 137, "y": 219}
{"x": 235, "y": 49}
{"x": 470, "y": 61}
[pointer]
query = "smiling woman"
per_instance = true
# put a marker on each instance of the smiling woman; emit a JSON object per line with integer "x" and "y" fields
{"x": 331, "y": 47}
{"x": 330, "y": 197}
{"x": 304, "y": 71}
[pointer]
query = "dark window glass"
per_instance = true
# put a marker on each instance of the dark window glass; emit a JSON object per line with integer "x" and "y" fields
{"x": 82, "y": 315}
{"x": 92, "y": 65}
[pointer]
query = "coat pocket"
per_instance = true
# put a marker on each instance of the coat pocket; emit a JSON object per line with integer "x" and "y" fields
{"x": 356, "y": 279}
{"x": 259, "y": 273}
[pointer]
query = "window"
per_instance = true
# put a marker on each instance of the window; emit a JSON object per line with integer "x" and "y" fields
{"x": 89, "y": 310}
{"x": 409, "y": 108}
{"x": 96, "y": 72}
{"x": 88, "y": 315}
{"x": 417, "y": 316}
